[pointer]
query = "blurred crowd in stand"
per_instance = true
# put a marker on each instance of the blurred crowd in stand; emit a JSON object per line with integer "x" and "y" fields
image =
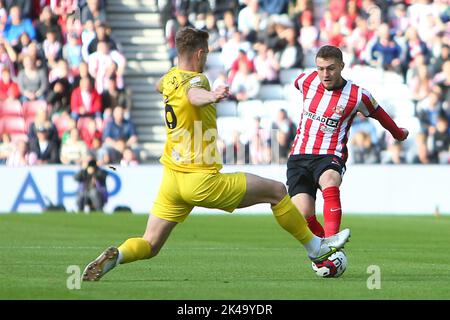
{"x": 399, "y": 50}
{"x": 62, "y": 93}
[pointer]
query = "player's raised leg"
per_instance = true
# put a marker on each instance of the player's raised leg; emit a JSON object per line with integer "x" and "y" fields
{"x": 329, "y": 182}
{"x": 262, "y": 190}
{"x": 306, "y": 204}
{"x": 133, "y": 249}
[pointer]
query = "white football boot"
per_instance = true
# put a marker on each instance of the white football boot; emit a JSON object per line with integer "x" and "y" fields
{"x": 330, "y": 245}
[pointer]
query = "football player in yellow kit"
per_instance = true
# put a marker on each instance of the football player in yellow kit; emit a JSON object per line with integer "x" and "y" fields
{"x": 192, "y": 168}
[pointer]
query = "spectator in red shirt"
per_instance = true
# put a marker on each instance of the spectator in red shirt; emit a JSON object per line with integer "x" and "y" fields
{"x": 8, "y": 88}
{"x": 85, "y": 101}
{"x": 337, "y": 8}
{"x": 348, "y": 20}
{"x": 335, "y": 37}
{"x": 89, "y": 133}
{"x": 242, "y": 57}
{"x": 326, "y": 26}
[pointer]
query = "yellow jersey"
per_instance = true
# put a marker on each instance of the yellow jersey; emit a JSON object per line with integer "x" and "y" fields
{"x": 191, "y": 131}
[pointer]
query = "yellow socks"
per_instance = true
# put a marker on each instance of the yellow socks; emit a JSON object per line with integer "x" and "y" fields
{"x": 134, "y": 249}
{"x": 292, "y": 220}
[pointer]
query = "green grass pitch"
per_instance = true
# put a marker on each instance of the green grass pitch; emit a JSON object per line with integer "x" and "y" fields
{"x": 222, "y": 257}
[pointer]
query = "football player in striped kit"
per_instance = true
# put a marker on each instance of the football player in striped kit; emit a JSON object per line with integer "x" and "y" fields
{"x": 319, "y": 152}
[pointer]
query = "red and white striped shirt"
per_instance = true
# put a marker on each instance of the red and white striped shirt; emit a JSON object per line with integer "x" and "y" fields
{"x": 327, "y": 116}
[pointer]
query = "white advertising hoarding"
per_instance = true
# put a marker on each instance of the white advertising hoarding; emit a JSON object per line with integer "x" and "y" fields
{"x": 366, "y": 189}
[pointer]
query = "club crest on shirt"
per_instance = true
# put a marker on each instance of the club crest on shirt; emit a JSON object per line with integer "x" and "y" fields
{"x": 339, "y": 110}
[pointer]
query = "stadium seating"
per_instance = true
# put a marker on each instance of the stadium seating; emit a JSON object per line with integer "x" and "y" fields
{"x": 392, "y": 78}
{"x": 13, "y": 125}
{"x": 226, "y": 126}
{"x": 16, "y": 137}
{"x": 226, "y": 109}
{"x": 309, "y": 61}
{"x": 266, "y": 123}
{"x": 292, "y": 94}
{"x": 294, "y": 110}
{"x": 214, "y": 61}
{"x": 11, "y": 108}
{"x": 402, "y": 108}
{"x": 271, "y": 92}
{"x": 409, "y": 145}
{"x": 287, "y": 76}
{"x": 62, "y": 124}
{"x": 271, "y": 107}
{"x": 250, "y": 109}
{"x": 30, "y": 108}
{"x": 212, "y": 75}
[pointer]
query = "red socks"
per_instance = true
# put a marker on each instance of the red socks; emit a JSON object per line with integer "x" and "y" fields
{"x": 315, "y": 226}
{"x": 331, "y": 214}
{"x": 331, "y": 210}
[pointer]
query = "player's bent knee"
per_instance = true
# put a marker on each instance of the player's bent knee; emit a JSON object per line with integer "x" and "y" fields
{"x": 330, "y": 180}
{"x": 279, "y": 191}
{"x": 156, "y": 244}
{"x": 305, "y": 203}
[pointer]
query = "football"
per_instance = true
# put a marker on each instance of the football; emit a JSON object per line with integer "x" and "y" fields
{"x": 333, "y": 267}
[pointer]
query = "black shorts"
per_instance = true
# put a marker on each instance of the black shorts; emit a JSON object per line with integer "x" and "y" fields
{"x": 304, "y": 171}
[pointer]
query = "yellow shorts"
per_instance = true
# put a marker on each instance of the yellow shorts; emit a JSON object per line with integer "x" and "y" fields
{"x": 180, "y": 192}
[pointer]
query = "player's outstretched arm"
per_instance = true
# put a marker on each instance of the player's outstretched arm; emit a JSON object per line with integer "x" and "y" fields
{"x": 201, "y": 97}
{"x": 389, "y": 124}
